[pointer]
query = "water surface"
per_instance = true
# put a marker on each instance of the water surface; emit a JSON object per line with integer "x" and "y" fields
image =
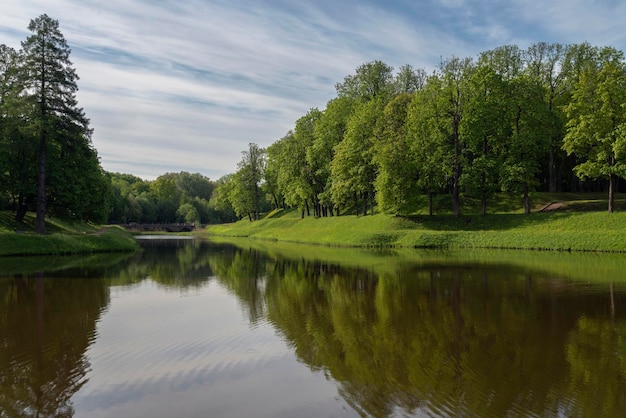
{"x": 197, "y": 329}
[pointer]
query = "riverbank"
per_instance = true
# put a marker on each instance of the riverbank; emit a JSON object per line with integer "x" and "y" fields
{"x": 562, "y": 230}
{"x": 62, "y": 238}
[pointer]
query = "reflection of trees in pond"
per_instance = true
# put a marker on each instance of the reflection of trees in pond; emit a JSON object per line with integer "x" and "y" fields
{"x": 465, "y": 341}
{"x": 46, "y": 326}
{"x": 596, "y": 352}
{"x": 173, "y": 266}
{"x": 243, "y": 274}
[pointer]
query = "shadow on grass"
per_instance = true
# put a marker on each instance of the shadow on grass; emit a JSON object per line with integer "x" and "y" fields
{"x": 479, "y": 222}
{"x": 279, "y": 213}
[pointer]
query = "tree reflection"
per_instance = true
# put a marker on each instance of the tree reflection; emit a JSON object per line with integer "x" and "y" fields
{"x": 438, "y": 340}
{"x": 46, "y": 326}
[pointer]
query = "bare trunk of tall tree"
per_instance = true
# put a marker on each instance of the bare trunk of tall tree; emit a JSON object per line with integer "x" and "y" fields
{"x": 41, "y": 188}
{"x": 611, "y": 192}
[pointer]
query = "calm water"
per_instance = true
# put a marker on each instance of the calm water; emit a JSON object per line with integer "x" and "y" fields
{"x": 193, "y": 329}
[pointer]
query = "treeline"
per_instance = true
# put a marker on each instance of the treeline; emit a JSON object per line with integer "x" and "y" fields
{"x": 172, "y": 197}
{"x": 550, "y": 117}
{"x": 48, "y": 163}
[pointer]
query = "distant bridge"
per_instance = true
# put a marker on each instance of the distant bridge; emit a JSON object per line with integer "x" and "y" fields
{"x": 182, "y": 227}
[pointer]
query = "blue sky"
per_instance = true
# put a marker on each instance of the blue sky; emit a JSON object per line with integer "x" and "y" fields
{"x": 174, "y": 85}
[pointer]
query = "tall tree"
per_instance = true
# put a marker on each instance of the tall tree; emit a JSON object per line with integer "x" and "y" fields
{"x": 428, "y": 139}
{"x": 454, "y": 74}
{"x": 353, "y": 170}
{"x": 486, "y": 130}
{"x": 50, "y": 86}
{"x": 544, "y": 63}
{"x": 528, "y": 145}
{"x": 330, "y": 129}
{"x": 396, "y": 182}
{"x": 372, "y": 80}
{"x": 596, "y": 130}
{"x": 246, "y": 194}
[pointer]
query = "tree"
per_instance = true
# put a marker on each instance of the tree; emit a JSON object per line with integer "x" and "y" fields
{"x": 486, "y": 130}
{"x": 245, "y": 195}
{"x": 544, "y": 63}
{"x": 17, "y": 152}
{"x": 396, "y": 183}
{"x": 596, "y": 129}
{"x": 167, "y": 197}
{"x": 409, "y": 80}
{"x": 428, "y": 139}
{"x": 49, "y": 83}
{"x": 353, "y": 170}
{"x": 330, "y": 129}
{"x": 528, "y": 145}
{"x": 372, "y": 80}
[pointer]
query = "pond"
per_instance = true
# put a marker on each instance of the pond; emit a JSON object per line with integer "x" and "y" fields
{"x": 202, "y": 329}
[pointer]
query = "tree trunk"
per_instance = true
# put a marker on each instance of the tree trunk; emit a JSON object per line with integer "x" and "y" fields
{"x": 430, "y": 204}
{"x": 551, "y": 172}
{"x": 611, "y": 192}
{"x": 41, "y": 187}
{"x": 356, "y": 204}
{"x": 306, "y": 205}
{"x": 21, "y": 209}
{"x": 456, "y": 200}
{"x": 484, "y": 204}
{"x": 365, "y": 204}
{"x": 372, "y": 202}
{"x": 526, "y": 200}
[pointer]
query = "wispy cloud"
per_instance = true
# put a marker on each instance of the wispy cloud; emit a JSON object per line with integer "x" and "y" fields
{"x": 173, "y": 86}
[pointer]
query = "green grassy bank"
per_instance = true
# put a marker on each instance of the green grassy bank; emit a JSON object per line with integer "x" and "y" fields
{"x": 580, "y": 224}
{"x": 61, "y": 238}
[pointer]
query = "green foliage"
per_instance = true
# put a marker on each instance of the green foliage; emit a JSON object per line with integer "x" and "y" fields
{"x": 396, "y": 182}
{"x": 597, "y": 119}
{"x": 47, "y": 160}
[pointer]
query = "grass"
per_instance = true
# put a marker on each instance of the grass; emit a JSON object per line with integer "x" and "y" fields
{"x": 579, "y": 225}
{"x": 62, "y": 238}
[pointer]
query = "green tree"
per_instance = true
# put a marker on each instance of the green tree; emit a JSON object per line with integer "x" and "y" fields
{"x": 454, "y": 73}
{"x": 596, "y": 129}
{"x": 396, "y": 182}
{"x": 245, "y": 196}
{"x": 544, "y": 63}
{"x": 372, "y": 80}
{"x": 166, "y": 196}
{"x": 330, "y": 129}
{"x": 18, "y": 175}
{"x": 428, "y": 140}
{"x": 528, "y": 144}
{"x": 409, "y": 80}
{"x": 353, "y": 170}
{"x": 222, "y": 209}
{"x": 49, "y": 83}
{"x": 486, "y": 130}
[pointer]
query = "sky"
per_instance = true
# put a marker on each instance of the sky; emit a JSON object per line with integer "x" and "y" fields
{"x": 186, "y": 85}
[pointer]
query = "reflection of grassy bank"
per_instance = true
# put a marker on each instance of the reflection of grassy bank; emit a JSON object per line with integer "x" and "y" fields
{"x": 565, "y": 231}
{"x": 62, "y": 238}
{"x": 587, "y": 266}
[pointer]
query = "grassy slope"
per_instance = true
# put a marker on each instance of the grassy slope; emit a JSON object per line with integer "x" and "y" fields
{"x": 582, "y": 224}
{"x": 61, "y": 238}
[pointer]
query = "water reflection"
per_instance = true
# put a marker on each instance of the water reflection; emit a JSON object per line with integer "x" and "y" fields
{"x": 45, "y": 328}
{"x": 434, "y": 336}
{"x": 468, "y": 341}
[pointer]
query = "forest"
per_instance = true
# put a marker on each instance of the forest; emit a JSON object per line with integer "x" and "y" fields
{"x": 547, "y": 118}
{"x": 550, "y": 117}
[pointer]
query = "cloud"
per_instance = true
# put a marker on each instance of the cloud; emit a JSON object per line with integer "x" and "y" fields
{"x": 173, "y": 86}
